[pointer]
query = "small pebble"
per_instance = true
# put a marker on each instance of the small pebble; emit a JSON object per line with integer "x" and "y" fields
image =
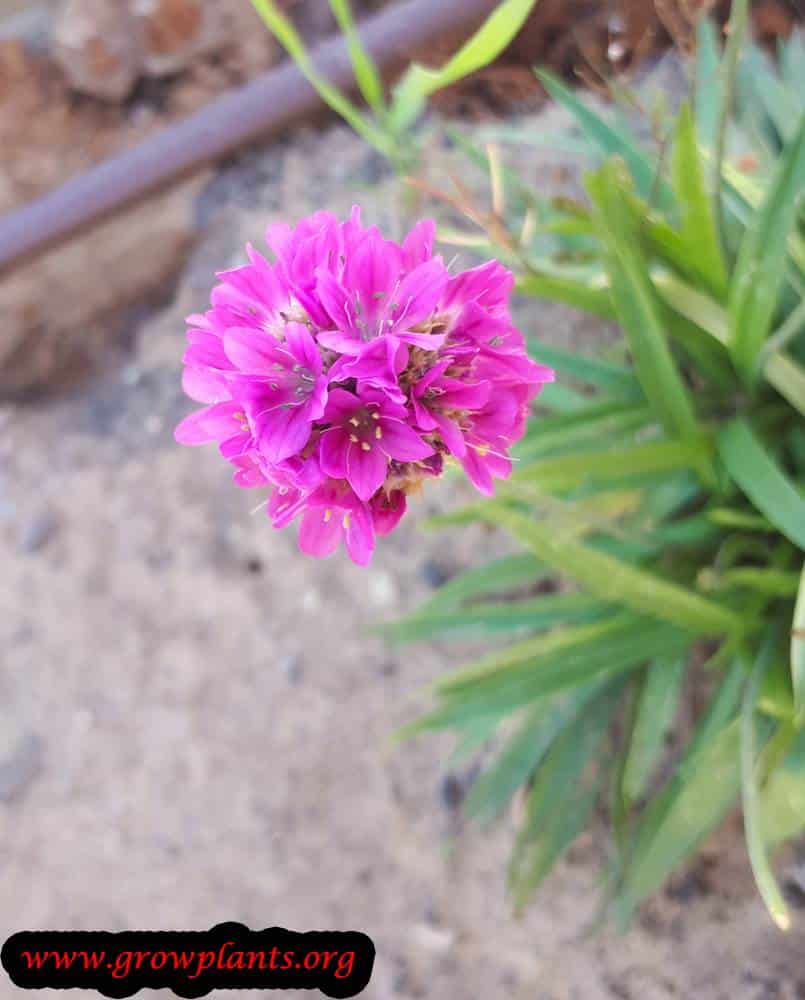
{"x": 38, "y": 532}
{"x": 291, "y": 666}
{"x": 434, "y": 574}
{"x": 20, "y": 768}
{"x": 451, "y": 791}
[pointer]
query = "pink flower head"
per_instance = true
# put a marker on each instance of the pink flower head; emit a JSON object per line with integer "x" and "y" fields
{"x": 345, "y": 373}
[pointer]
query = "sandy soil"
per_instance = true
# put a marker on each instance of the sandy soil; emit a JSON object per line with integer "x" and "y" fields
{"x": 197, "y": 722}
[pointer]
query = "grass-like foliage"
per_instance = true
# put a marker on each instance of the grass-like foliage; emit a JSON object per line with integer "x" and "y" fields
{"x": 658, "y": 498}
{"x": 660, "y": 488}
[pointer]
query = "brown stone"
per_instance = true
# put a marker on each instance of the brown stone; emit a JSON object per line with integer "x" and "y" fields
{"x": 96, "y": 46}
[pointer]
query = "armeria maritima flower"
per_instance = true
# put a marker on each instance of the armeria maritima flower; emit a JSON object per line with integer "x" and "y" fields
{"x": 344, "y": 373}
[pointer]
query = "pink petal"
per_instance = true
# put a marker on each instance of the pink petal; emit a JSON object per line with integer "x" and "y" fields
{"x": 320, "y": 531}
{"x": 399, "y": 441}
{"x": 359, "y": 535}
{"x": 285, "y": 433}
{"x": 366, "y": 470}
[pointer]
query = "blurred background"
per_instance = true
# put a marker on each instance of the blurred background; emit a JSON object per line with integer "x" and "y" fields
{"x": 197, "y": 721}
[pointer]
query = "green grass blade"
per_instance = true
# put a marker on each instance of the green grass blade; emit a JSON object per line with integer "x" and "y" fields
{"x": 656, "y": 706}
{"x": 593, "y": 371}
{"x": 638, "y": 307}
{"x": 496, "y": 577}
{"x": 698, "y": 233}
{"x": 760, "y": 269}
{"x": 419, "y": 82}
{"x": 611, "y": 465}
{"x": 762, "y": 480}
{"x": 586, "y": 295}
{"x": 695, "y": 800}
{"x": 540, "y": 726}
{"x": 493, "y": 619}
{"x": 366, "y": 73}
{"x": 286, "y": 34}
{"x": 798, "y": 651}
{"x": 611, "y": 141}
{"x": 617, "y": 582}
{"x": 708, "y": 91}
{"x": 753, "y": 820}
{"x": 561, "y": 798}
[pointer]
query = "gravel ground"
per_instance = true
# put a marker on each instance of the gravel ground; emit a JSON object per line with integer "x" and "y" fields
{"x": 198, "y": 721}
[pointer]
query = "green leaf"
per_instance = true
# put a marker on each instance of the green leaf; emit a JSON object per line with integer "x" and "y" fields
{"x": 615, "y": 581}
{"x": 694, "y": 801}
{"x": 798, "y": 651}
{"x": 708, "y": 91}
{"x": 656, "y": 706}
{"x": 366, "y": 73}
{"x": 539, "y": 727}
{"x": 547, "y": 664}
{"x": 611, "y": 465}
{"x": 561, "y": 798}
{"x": 483, "y": 47}
{"x": 593, "y": 371}
{"x": 285, "y": 33}
{"x": 637, "y": 304}
{"x": 612, "y": 141}
{"x": 760, "y": 268}
{"x": 586, "y": 294}
{"x": 698, "y": 233}
{"x": 492, "y": 619}
{"x": 782, "y": 799}
{"x": 762, "y": 480}
{"x": 602, "y": 422}
{"x": 496, "y": 577}
{"x": 753, "y": 819}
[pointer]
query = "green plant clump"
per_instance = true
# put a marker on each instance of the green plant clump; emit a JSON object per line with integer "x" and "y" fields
{"x": 658, "y": 495}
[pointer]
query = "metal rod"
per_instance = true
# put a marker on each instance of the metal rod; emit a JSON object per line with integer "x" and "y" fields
{"x": 256, "y": 111}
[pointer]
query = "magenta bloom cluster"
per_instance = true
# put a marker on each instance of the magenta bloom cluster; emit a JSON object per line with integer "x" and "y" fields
{"x": 346, "y": 372}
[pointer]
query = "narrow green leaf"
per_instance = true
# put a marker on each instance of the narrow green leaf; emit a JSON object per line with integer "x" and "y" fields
{"x": 593, "y": 371}
{"x": 611, "y": 465}
{"x": 493, "y": 619}
{"x": 798, "y": 651}
{"x": 539, "y": 727}
{"x": 708, "y": 93}
{"x": 698, "y": 232}
{"x": 419, "y": 82}
{"x": 637, "y": 304}
{"x": 285, "y": 33}
{"x": 366, "y": 73}
{"x": 654, "y": 714}
{"x": 611, "y": 141}
{"x": 762, "y": 480}
{"x": 694, "y": 801}
{"x": 496, "y": 577}
{"x": 782, "y": 799}
{"x": 561, "y": 798}
{"x": 760, "y": 268}
{"x": 615, "y": 581}
{"x": 588, "y": 295}
{"x": 753, "y": 820}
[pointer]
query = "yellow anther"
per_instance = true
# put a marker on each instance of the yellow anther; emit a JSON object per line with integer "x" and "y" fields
{"x": 354, "y": 421}
{"x": 366, "y": 446}
{"x": 353, "y": 438}
{"x": 346, "y": 520}
{"x": 378, "y": 433}
{"x": 375, "y": 415}
{"x": 327, "y": 515}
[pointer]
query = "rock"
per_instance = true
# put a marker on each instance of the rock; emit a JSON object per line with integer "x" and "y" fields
{"x": 173, "y": 32}
{"x": 95, "y": 43}
{"x": 48, "y": 340}
{"x": 21, "y": 766}
{"x": 38, "y": 532}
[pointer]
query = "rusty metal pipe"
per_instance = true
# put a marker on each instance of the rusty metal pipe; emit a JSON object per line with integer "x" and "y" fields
{"x": 255, "y": 111}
